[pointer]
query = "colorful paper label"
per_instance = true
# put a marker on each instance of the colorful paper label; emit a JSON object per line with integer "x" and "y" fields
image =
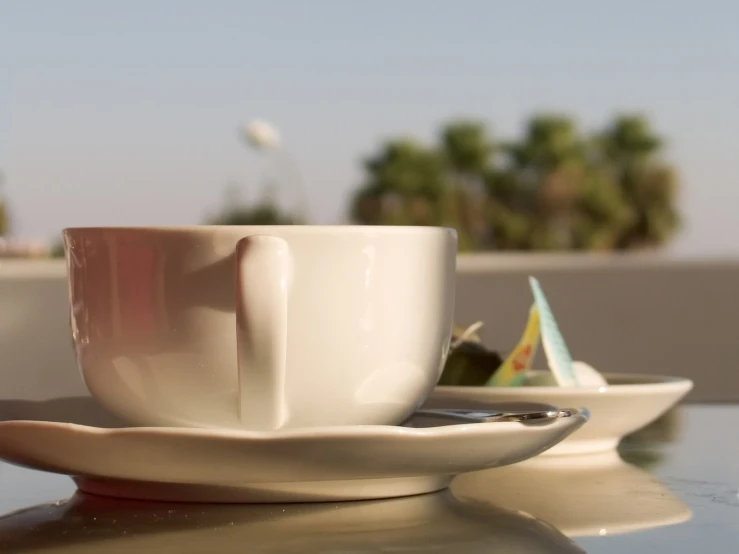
{"x": 512, "y": 371}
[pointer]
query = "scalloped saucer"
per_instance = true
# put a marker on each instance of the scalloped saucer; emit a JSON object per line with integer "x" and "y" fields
{"x": 74, "y": 436}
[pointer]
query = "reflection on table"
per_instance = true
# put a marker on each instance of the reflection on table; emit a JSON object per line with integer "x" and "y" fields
{"x": 436, "y": 523}
{"x": 589, "y": 495}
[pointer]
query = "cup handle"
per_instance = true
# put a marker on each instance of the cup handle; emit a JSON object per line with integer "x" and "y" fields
{"x": 262, "y": 280}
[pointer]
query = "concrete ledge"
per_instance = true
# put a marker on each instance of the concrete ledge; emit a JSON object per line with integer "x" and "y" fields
{"x": 621, "y": 313}
{"x": 515, "y": 262}
{"x": 32, "y": 269}
{"x": 641, "y": 314}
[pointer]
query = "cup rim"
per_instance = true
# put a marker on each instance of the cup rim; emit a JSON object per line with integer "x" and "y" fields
{"x": 318, "y": 229}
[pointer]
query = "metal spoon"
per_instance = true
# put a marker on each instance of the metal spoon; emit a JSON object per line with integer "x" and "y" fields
{"x": 486, "y": 416}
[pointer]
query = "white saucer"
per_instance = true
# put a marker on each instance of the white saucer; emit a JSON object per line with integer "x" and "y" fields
{"x": 628, "y": 403}
{"x": 75, "y": 437}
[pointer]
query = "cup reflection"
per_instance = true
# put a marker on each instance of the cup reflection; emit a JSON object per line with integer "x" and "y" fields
{"x": 436, "y": 523}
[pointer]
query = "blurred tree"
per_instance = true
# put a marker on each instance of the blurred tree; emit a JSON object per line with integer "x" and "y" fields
{"x": 410, "y": 184}
{"x": 4, "y": 211}
{"x": 259, "y": 214}
{"x": 264, "y": 212}
{"x": 404, "y": 185}
{"x": 648, "y": 186}
{"x": 468, "y": 151}
{"x": 467, "y": 148}
{"x": 533, "y": 189}
{"x": 553, "y": 189}
{"x": 57, "y": 249}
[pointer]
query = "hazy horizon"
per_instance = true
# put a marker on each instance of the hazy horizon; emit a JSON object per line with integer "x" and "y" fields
{"x": 128, "y": 114}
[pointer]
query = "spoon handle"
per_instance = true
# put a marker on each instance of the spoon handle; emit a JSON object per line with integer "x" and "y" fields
{"x": 482, "y": 416}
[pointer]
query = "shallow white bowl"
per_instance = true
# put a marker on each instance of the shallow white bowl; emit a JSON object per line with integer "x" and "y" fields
{"x": 628, "y": 403}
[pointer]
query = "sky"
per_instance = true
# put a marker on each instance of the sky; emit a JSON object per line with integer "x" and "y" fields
{"x": 127, "y": 113}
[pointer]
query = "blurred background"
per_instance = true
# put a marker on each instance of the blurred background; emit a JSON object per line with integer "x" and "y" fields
{"x": 559, "y": 130}
{"x": 527, "y": 125}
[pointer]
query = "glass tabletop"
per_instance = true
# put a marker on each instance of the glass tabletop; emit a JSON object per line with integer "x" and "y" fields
{"x": 671, "y": 488}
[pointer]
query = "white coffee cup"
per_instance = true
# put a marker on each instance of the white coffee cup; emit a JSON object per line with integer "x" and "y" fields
{"x": 264, "y": 327}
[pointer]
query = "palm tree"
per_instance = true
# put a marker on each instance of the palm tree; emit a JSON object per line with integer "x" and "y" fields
{"x": 408, "y": 183}
{"x": 4, "y": 211}
{"x": 264, "y": 212}
{"x": 631, "y": 153}
{"x": 532, "y": 191}
{"x": 468, "y": 152}
{"x": 554, "y": 189}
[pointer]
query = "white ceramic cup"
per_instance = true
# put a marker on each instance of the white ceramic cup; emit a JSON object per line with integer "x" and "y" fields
{"x": 261, "y": 328}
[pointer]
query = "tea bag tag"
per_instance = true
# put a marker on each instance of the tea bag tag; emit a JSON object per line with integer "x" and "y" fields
{"x": 558, "y": 356}
{"x": 512, "y": 371}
